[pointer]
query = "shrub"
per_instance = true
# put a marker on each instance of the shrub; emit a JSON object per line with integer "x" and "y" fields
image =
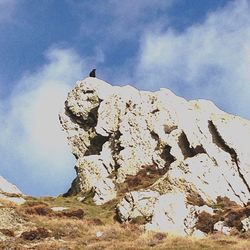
{"x": 140, "y": 220}
{"x": 36, "y": 234}
{"x": 7, "y": 232}
{"x": 206, "y": 222}
{"x": 96, "y": 222}
{"x": 224, "y": 202}
{"x": 157, "y": 239}
{"x": 40, "y": 209}
{"x": 79, "y": 213}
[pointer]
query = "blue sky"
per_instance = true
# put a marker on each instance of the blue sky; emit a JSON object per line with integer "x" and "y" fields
{"x": 197, "y": 48}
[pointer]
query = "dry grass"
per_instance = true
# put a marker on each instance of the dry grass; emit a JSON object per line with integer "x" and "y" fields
{"x": 43, "y": 209}
{"x": 142, "y": 180}
{"x": 51, "y": 231}
{"x": 6, "y": 203}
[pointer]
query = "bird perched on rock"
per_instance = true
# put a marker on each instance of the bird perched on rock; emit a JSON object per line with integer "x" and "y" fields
{"x": 92, "y": 73}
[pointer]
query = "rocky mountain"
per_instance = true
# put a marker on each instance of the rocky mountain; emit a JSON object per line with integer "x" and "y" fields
{"x": 177, "y": 166}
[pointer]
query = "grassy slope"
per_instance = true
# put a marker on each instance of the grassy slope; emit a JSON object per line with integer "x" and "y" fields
{"x": 71, "y": 231}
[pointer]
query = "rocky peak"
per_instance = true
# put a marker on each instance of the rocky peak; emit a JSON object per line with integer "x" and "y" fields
{"x": 157, "y": 153}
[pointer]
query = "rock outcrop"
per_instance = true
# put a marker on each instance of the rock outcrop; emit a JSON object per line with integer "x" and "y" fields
{"x": 7, "y": 187}
{"x": 9, "y": 218}
{"x": 165, "y": 159}
{"x": 10, "y": 192}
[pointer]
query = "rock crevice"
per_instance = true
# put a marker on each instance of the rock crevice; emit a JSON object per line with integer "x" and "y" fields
{"x": 218, "y": 140}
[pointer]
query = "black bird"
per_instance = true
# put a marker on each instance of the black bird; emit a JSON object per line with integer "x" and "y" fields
{"x": 92, "y": 73}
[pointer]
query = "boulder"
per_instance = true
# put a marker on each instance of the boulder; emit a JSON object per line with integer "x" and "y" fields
{"x": 162, "y": 157}
{"x": 246, "y": 224}
{"x": 10, "y": 192}
{"x": 7, "y": 187}
{"x": 220, "y": 227}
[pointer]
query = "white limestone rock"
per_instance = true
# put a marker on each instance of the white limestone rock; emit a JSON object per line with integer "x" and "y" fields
{"x": 15, "y": 199}
{"x": 58, "y": 209}
{"x": 210, "y": 180}
{"x": 198, "y": 234}
{"x": 173, "y": 156}
{"x": 246, "y": 224}
{"x": 93, "y": 175}
{"x": 7, "y": 187}
{"x": 137, "y": 204}
{"x": 221, "y": 227}
{"x": 169, "y": 214}
{"x": 10, "y": 192}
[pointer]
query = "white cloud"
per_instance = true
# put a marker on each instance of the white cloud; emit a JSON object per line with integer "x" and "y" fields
{"x": 32, "y": 140}
{"x": 207, "y": 60}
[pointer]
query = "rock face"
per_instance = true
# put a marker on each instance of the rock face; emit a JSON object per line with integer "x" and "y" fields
{"x": 7, "y": 187}
{"x": 164, "y": 158}
{"x": 10, "y": 192}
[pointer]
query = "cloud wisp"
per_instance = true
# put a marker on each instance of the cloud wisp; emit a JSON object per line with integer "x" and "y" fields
{"x": 208, "y": 60}
{"x": 34, "y": 148}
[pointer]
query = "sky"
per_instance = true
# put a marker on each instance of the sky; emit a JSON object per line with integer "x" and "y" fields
{"x": 196, "y": 48}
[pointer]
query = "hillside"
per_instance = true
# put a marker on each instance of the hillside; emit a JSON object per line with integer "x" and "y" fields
{"x": 153, "y": 171}
{"x": 41, "y": 224}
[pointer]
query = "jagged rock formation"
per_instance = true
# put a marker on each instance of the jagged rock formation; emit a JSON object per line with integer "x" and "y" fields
{"x": 10, "y": 192}
{"x": 167, "y": 159}
{"x": 7, "y": 187}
